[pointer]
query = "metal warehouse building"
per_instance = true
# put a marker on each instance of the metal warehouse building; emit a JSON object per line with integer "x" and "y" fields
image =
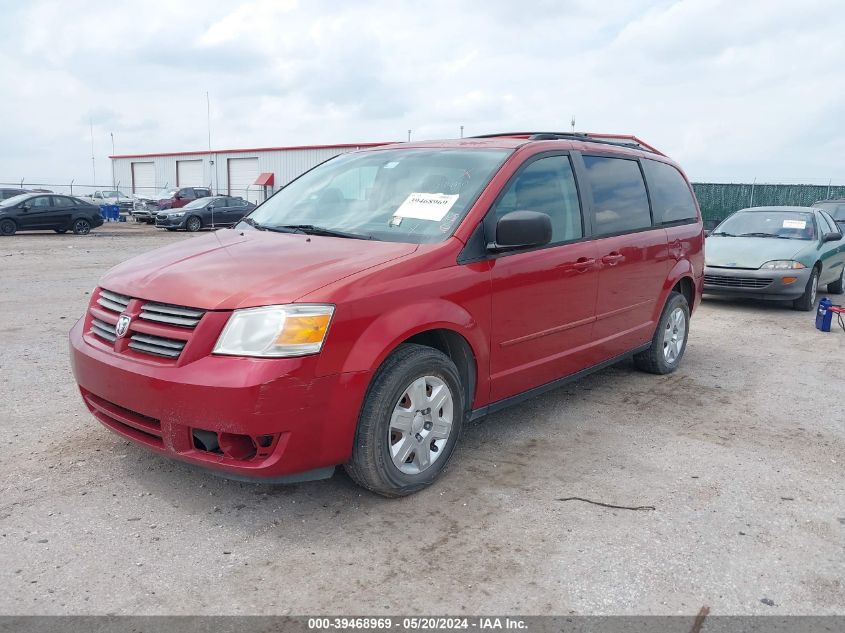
{"x": 249, "y": 173}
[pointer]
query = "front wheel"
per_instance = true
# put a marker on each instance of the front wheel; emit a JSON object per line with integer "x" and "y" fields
{"x": 81, "y": 226}
{"x": 193, "y": 224}
{"x": 670, "y": 339}
{"x": 409, "y": 424}
{"x": 807, "y": 301}
{"x": 8, "y": 227}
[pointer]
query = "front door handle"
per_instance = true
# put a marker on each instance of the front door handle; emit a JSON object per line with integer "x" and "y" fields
{"x": 611, "y": 259}
{"x": 580, "y": 265}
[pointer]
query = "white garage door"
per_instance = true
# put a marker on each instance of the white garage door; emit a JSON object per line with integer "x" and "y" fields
{"x": 144, "y": 178}
{"x": 189, "y": 173}
{"x": 242, "y": 175}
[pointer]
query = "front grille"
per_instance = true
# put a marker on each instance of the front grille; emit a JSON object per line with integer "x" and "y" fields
{"x": 172, "y": 315}
{"x": 725, "y": 281}
{"x": 157, "y": 345}
{"x": 156, "y": 329}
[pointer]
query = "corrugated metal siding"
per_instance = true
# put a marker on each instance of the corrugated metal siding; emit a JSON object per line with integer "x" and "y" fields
{"x": 285, "y": 164}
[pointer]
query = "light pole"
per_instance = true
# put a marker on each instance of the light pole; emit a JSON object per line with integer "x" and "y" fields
{"x": 462, "y": 131}
{"x": 409, "y": 136}
{"x": 113, "y": 185}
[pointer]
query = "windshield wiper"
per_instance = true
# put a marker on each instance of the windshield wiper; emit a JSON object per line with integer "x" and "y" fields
{"x": 723, "y": 233}
{"x": 310, "y": 229}
{"x": 760, "y": 234}
{"x": 253, "y": 223}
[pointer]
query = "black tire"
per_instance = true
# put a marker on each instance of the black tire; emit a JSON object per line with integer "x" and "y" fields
{"x": 8, "y": 227}
{"x": 60, "y": 231}
{"x": 837, "y": 287}
{"x": 193, "y": 224}
{"x": 81, "y": 226}
{"x": 654, "y": 360}
{"x": 371, "y": 465}
{"x": 807, "y": 301}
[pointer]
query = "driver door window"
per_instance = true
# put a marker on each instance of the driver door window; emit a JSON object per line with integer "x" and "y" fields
{"x": 547, "y": 186}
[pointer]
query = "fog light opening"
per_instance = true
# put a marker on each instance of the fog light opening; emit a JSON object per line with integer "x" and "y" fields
{"x": 237, "y": 446}
{"x": 790, "y": 280}
{"x": 264, "y": 441}
{"x": 206, "y": 441}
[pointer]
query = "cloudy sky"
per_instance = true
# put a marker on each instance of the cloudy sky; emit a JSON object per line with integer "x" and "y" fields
{"x": 732, "y": 90}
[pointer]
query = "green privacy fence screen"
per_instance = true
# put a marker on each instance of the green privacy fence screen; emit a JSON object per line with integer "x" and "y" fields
{"x": 719, "y": 200}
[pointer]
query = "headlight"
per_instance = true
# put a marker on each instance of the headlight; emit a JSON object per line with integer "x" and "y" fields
{"x": 782, "y": 264}
{"x": 176, "y": 215}
{"x": 273, "y": 331}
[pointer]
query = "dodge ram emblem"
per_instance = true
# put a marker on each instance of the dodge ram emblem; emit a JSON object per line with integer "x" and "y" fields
{"x": 122, "y": 326}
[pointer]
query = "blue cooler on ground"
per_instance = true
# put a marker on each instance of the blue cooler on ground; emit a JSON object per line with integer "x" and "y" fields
{"x": 824, "y": 316}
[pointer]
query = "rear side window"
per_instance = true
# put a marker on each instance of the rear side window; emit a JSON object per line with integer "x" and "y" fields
{"x": 620, "y": 201}
{"x": 547, "y": 186}
{"x": 671, "y": 198}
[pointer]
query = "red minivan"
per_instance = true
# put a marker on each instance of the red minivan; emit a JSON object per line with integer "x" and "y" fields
{"x": 371, "y": 307}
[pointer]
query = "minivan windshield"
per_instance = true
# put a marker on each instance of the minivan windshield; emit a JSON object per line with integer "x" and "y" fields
{"x": 397, "y": 195}
{"x": 793, "y": 225}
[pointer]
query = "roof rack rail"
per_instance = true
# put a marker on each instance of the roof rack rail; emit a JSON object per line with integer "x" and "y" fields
{"x": 622, "y": 140}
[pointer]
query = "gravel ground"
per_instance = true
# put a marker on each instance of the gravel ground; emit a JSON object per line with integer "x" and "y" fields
{"x": 740, "y": 452}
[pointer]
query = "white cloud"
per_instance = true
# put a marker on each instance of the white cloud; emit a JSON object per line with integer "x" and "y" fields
{"x": 731, "y": 90}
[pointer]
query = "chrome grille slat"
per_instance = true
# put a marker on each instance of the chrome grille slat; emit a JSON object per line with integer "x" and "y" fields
{"x": 157, "y": 350}
{"x": 173, "y": 315}
{"x": 103, "y": 330}
{"x": 113, "y": 301}
{"x": 158, "y": 340}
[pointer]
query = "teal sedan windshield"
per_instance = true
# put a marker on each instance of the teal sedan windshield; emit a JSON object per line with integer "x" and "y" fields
{"x": 792, "y": 225}
{"x": 396, "y": 195}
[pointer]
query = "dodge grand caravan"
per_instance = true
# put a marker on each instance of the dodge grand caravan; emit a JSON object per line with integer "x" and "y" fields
{"x": 370, "y": 308}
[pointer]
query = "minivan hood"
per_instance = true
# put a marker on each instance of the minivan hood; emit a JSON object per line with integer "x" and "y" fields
{"x": 749, "y": 252}
{"x": 231, "y": 269}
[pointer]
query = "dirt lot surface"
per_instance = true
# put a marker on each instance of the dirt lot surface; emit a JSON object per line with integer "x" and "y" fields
{"x": 741, "y": 453}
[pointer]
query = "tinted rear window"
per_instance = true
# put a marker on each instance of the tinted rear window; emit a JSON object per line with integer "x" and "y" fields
{"x": 620, "y": 202}
{"x": 671, "y": 198}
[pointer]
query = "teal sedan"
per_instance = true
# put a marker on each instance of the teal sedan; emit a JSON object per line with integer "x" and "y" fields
{"x": 780, "y": 253}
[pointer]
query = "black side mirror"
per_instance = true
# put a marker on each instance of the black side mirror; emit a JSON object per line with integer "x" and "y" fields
{"x": 521, "y": 229}
{"x": 25, "y": 206}
{"x": 832, "y": 237}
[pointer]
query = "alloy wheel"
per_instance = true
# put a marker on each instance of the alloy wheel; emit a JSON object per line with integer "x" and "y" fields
{"x": 674, "y": 335}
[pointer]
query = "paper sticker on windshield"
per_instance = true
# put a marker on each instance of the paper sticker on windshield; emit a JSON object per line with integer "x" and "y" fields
{"x": 391, "y": 164}
{"x": 426, "y": 206}
{"x": 795, "y": 224}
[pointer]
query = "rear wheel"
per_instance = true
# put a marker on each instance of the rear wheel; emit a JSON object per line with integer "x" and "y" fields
{"x": 807, "y": 301}
{"x": 837, "y": 287}
{"x": 81, "y": 226}
{"x": 8, "y": 227}
{"x": 670, "y": 339}
{"x": 409, "y": 424}
{"x": 193, "y": 224}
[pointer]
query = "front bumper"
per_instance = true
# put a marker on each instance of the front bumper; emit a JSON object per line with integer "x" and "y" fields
{"x": 170, "y": 222}
{"x": 756, "y": 283}
{"x": 309, "y": 419}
